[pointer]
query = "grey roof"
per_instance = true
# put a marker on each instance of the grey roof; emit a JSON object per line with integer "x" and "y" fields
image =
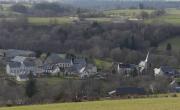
{"x": 72, "y": 69}
{"x": 19, "y": 59}
{"x": 29, "y": 63}
{"x": 168, "y": 70}
{"x": 78, "y": 67}
{"x": 38, "y": 62}
{"x": 122, "y": 65}
{"x": 55, "y": 58}
{"x": 14, "y": 52}
{"x": 14, "y": 64}
{"x": 81, "y": 61}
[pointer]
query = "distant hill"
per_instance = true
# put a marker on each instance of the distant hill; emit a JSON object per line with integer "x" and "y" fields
{"x": 109, "y": 4}
{"x": 105, "y": 4}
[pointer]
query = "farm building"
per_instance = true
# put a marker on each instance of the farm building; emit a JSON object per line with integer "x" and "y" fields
{"x": 166, "y": 70}
{"x": 128, "y": 91}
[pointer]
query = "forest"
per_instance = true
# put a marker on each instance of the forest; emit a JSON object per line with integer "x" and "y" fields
{"x": 98, "y": 40}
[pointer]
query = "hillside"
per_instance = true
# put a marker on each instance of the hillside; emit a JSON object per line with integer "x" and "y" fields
{"x": 172, "y": 16}
{"x": 173, "y": 41}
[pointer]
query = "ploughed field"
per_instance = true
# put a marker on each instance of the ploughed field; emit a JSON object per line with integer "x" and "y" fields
{"x": 169, "y": 103}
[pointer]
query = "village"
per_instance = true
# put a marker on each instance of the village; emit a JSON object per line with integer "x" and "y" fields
{"x": 19, "y": 64}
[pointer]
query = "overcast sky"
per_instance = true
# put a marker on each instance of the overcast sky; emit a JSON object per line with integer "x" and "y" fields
{"x": 97, "y": 0}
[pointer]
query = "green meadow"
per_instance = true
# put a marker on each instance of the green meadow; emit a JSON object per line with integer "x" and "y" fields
{"x": 128, "y": 104}
{"x": 172, "y": 16}
{"x": 126, "y": 12}
{"x": 49, "y": 20}
{"x": 175, "y": 43}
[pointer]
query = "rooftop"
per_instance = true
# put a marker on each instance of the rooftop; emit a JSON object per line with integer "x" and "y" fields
{"x": 56, "y": 58}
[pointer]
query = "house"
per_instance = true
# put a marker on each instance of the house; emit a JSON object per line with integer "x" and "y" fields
{"x": 165, "y": 70}
{"x": 52, "y": 69}
{"x": 128, "y": 91}
{"x": 22, "y": 59}
{"x": 55, "y": 63}
{"x": 74, "y": 19}
{"x": 12, "y": 68}
{"x": 20, "y": 65}
{"x": 19, "y": 59}
{"x": 57, "y": 60}
{"x": 18, "y": 68}
{"x": 123, "y": 68}
{"x": 177, "y": 89}
{"x": 135, "y": 19}
{"x": 78, "y": 64}
{"x": 80, "y": 68}
{"x": 88, "y": 70}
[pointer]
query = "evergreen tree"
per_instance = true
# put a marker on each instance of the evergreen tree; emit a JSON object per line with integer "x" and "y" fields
{"x": 168, "y": 47}
{"x": 133, "y": 45}
{"x": 38, "y": 53}
{"x": 31, "y": 88}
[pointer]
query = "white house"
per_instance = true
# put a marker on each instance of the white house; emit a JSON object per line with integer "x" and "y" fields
{"x": 20, "y": 65}
{"x": 165, "y": 71}
{"x": 87, "y": 71}
{"x": 17, "y": 68}
{"x": 123, "y": 68}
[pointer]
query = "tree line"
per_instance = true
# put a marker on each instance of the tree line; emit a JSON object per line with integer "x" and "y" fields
{"x": 99, "y": 40}
{"x": 44, "y": 9}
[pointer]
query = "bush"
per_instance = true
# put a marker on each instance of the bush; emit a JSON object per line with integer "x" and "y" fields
{"x": 174, "y": 95}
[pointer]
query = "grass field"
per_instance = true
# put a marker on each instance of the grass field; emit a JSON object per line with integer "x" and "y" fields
{"x": 172, "y": 16}
{"x": 175, "y": 42}
{"x": 101, "y": 64}
{"x": 125, "y": 12}
{"x": 49, "y": 20}
{"x": 129, "y": 104}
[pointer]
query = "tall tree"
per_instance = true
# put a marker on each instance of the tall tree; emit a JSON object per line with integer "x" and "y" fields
{"x": 168, "y": 47}
{"x": 31, "y": 88}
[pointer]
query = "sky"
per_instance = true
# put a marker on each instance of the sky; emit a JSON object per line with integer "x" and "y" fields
{"x": 98, "y": 0}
